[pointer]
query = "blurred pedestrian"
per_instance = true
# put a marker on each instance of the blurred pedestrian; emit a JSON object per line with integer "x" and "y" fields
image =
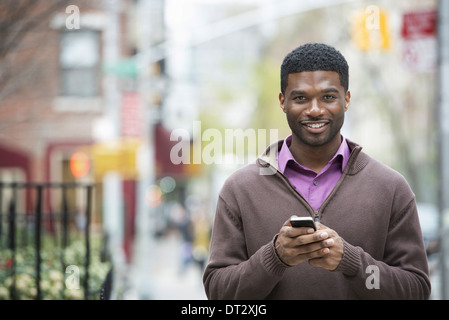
{"x": 368, "y": 243}
{"x": 201, "y": 239}
{"x": 181, "y": 219}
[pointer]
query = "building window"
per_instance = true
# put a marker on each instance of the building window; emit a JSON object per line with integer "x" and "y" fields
{"x": 79, "y": 63}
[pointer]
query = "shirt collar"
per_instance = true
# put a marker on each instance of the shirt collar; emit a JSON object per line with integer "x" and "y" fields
{"x": 285, "y": 155}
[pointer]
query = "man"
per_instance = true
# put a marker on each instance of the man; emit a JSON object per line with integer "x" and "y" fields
{"x": 368, "y": 243}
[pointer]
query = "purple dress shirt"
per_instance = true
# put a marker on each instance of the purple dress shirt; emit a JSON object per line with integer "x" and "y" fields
{"x": 312, "y": 186}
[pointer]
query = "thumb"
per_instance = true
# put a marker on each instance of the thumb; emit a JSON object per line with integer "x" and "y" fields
{"x": 287, "y": 222}
{"x": 320, "y": 226}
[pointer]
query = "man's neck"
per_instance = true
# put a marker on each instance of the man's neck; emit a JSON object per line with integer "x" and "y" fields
{"x": 314, "y": 157}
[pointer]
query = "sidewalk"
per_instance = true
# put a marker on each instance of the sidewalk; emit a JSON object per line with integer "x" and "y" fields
{"x": 168, "y": 280}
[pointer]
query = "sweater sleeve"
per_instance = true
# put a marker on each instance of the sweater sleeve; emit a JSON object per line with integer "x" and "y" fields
{"x": 230, "y": 273}
{"x": 403, "y": 271}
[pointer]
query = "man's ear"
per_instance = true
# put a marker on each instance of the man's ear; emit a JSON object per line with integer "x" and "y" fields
{"x": 347, "y": 100}
{"x": 282, "y": 101}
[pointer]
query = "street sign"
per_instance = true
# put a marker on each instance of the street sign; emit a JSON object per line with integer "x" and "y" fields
{"x": 419, "y": 49}
{"x": 419, "y": 24}
{"x": 132, "y": 115}
{"x": 118, "y": 156}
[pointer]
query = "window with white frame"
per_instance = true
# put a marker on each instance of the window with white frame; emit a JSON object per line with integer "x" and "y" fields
{"x": 79, "y": 59}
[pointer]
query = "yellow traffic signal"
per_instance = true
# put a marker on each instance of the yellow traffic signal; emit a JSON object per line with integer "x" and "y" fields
{"x": 370, "y": 29}
{"x": 384, "y": 30}
{"x": 359, "y": 32}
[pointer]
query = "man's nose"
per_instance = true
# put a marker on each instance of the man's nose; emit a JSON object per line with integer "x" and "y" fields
{"x": 314, "y": 109}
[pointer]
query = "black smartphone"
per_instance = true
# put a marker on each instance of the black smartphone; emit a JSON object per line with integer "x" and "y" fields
{"x": 307, "y": 222}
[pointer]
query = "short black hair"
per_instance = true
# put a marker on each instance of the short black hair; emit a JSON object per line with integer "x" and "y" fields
{"x": 314, "y": 57}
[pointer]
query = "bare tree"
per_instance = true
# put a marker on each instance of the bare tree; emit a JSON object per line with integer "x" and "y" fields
{"x": 20, "y": 19}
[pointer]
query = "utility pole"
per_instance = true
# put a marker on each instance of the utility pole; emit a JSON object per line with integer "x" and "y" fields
{"x": 112, "y": 195}
{"x": 443, "y": 116}
{"x": 151, "y": 31}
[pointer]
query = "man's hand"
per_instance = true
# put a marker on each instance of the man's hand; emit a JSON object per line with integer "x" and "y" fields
{"x": 332, "y": 259}
{"x": 296, "y": 245}
{"x": 322, "y": 248}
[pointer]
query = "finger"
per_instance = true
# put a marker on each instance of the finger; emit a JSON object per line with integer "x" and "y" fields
{"x": 325, "y": 261}
{"x": 317, "y": 254}
{"x": 310, "y": 238}
{"x": 297, "y": 254}
{"x": 292, "y": 232}
{"x": 287, "y": 222}
{"x": 316, "y": 262}
{"x": 313, "y": 247}
{"x": 320, "y": 226}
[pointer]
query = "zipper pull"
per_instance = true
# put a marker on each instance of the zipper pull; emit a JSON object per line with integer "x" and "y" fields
{"x": 317, "y": 217}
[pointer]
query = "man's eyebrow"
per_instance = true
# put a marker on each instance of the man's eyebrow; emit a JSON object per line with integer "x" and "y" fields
{"x": 330, "y": 90}
{"x": 302, "y": 92}
{"x": 297, "y": 93}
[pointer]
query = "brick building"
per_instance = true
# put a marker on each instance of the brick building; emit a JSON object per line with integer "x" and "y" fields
{"x": 58, "y": 82}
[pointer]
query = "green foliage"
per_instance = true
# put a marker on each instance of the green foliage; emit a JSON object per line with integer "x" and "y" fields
{"x": 268, "y": 114}
{"x": 57, "y": 281}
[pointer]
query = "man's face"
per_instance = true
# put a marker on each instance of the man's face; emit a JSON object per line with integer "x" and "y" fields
{"x": 315, "y": 104}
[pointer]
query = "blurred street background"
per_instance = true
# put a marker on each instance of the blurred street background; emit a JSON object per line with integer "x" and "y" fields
{"x": 115, "y": 115}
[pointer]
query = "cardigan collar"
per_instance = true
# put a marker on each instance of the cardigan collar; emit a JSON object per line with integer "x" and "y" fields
{"x": 357, "y": 160}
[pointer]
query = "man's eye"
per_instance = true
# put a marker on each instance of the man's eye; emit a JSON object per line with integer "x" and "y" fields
{"x": 329, "y": 97}
{"x": 299, "y": 98}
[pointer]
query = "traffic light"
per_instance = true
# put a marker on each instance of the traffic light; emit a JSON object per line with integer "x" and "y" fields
{"x": 370, "y": 29}
{"x": 384, "y": 31}
{"x": 359, "y": 33}
{"x": 79, "y": 164}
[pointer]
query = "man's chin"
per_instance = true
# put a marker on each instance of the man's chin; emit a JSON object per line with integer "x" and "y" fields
{"x": 313, "y": 141}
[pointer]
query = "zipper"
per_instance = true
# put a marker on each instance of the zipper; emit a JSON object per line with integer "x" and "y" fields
{"x": 337, "y": 185}
{"x": 316, "y": 214}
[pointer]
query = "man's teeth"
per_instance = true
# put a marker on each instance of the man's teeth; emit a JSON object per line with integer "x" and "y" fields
{"x": 316, "y": 125}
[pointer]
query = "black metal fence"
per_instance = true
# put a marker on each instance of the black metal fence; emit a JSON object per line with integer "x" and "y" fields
{"x": 30, "y": 219}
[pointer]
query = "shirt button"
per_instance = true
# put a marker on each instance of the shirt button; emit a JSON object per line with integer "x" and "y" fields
{"x": 315, "y": 183}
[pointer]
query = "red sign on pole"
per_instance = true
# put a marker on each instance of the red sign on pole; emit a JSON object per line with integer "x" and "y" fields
{"x": 132, "y": 115}
{"x": 419, "y": 24}
{"x": 420, "y": 42}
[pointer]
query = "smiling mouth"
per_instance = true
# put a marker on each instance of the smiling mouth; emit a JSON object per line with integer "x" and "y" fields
{"x": 315, "y": 127}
